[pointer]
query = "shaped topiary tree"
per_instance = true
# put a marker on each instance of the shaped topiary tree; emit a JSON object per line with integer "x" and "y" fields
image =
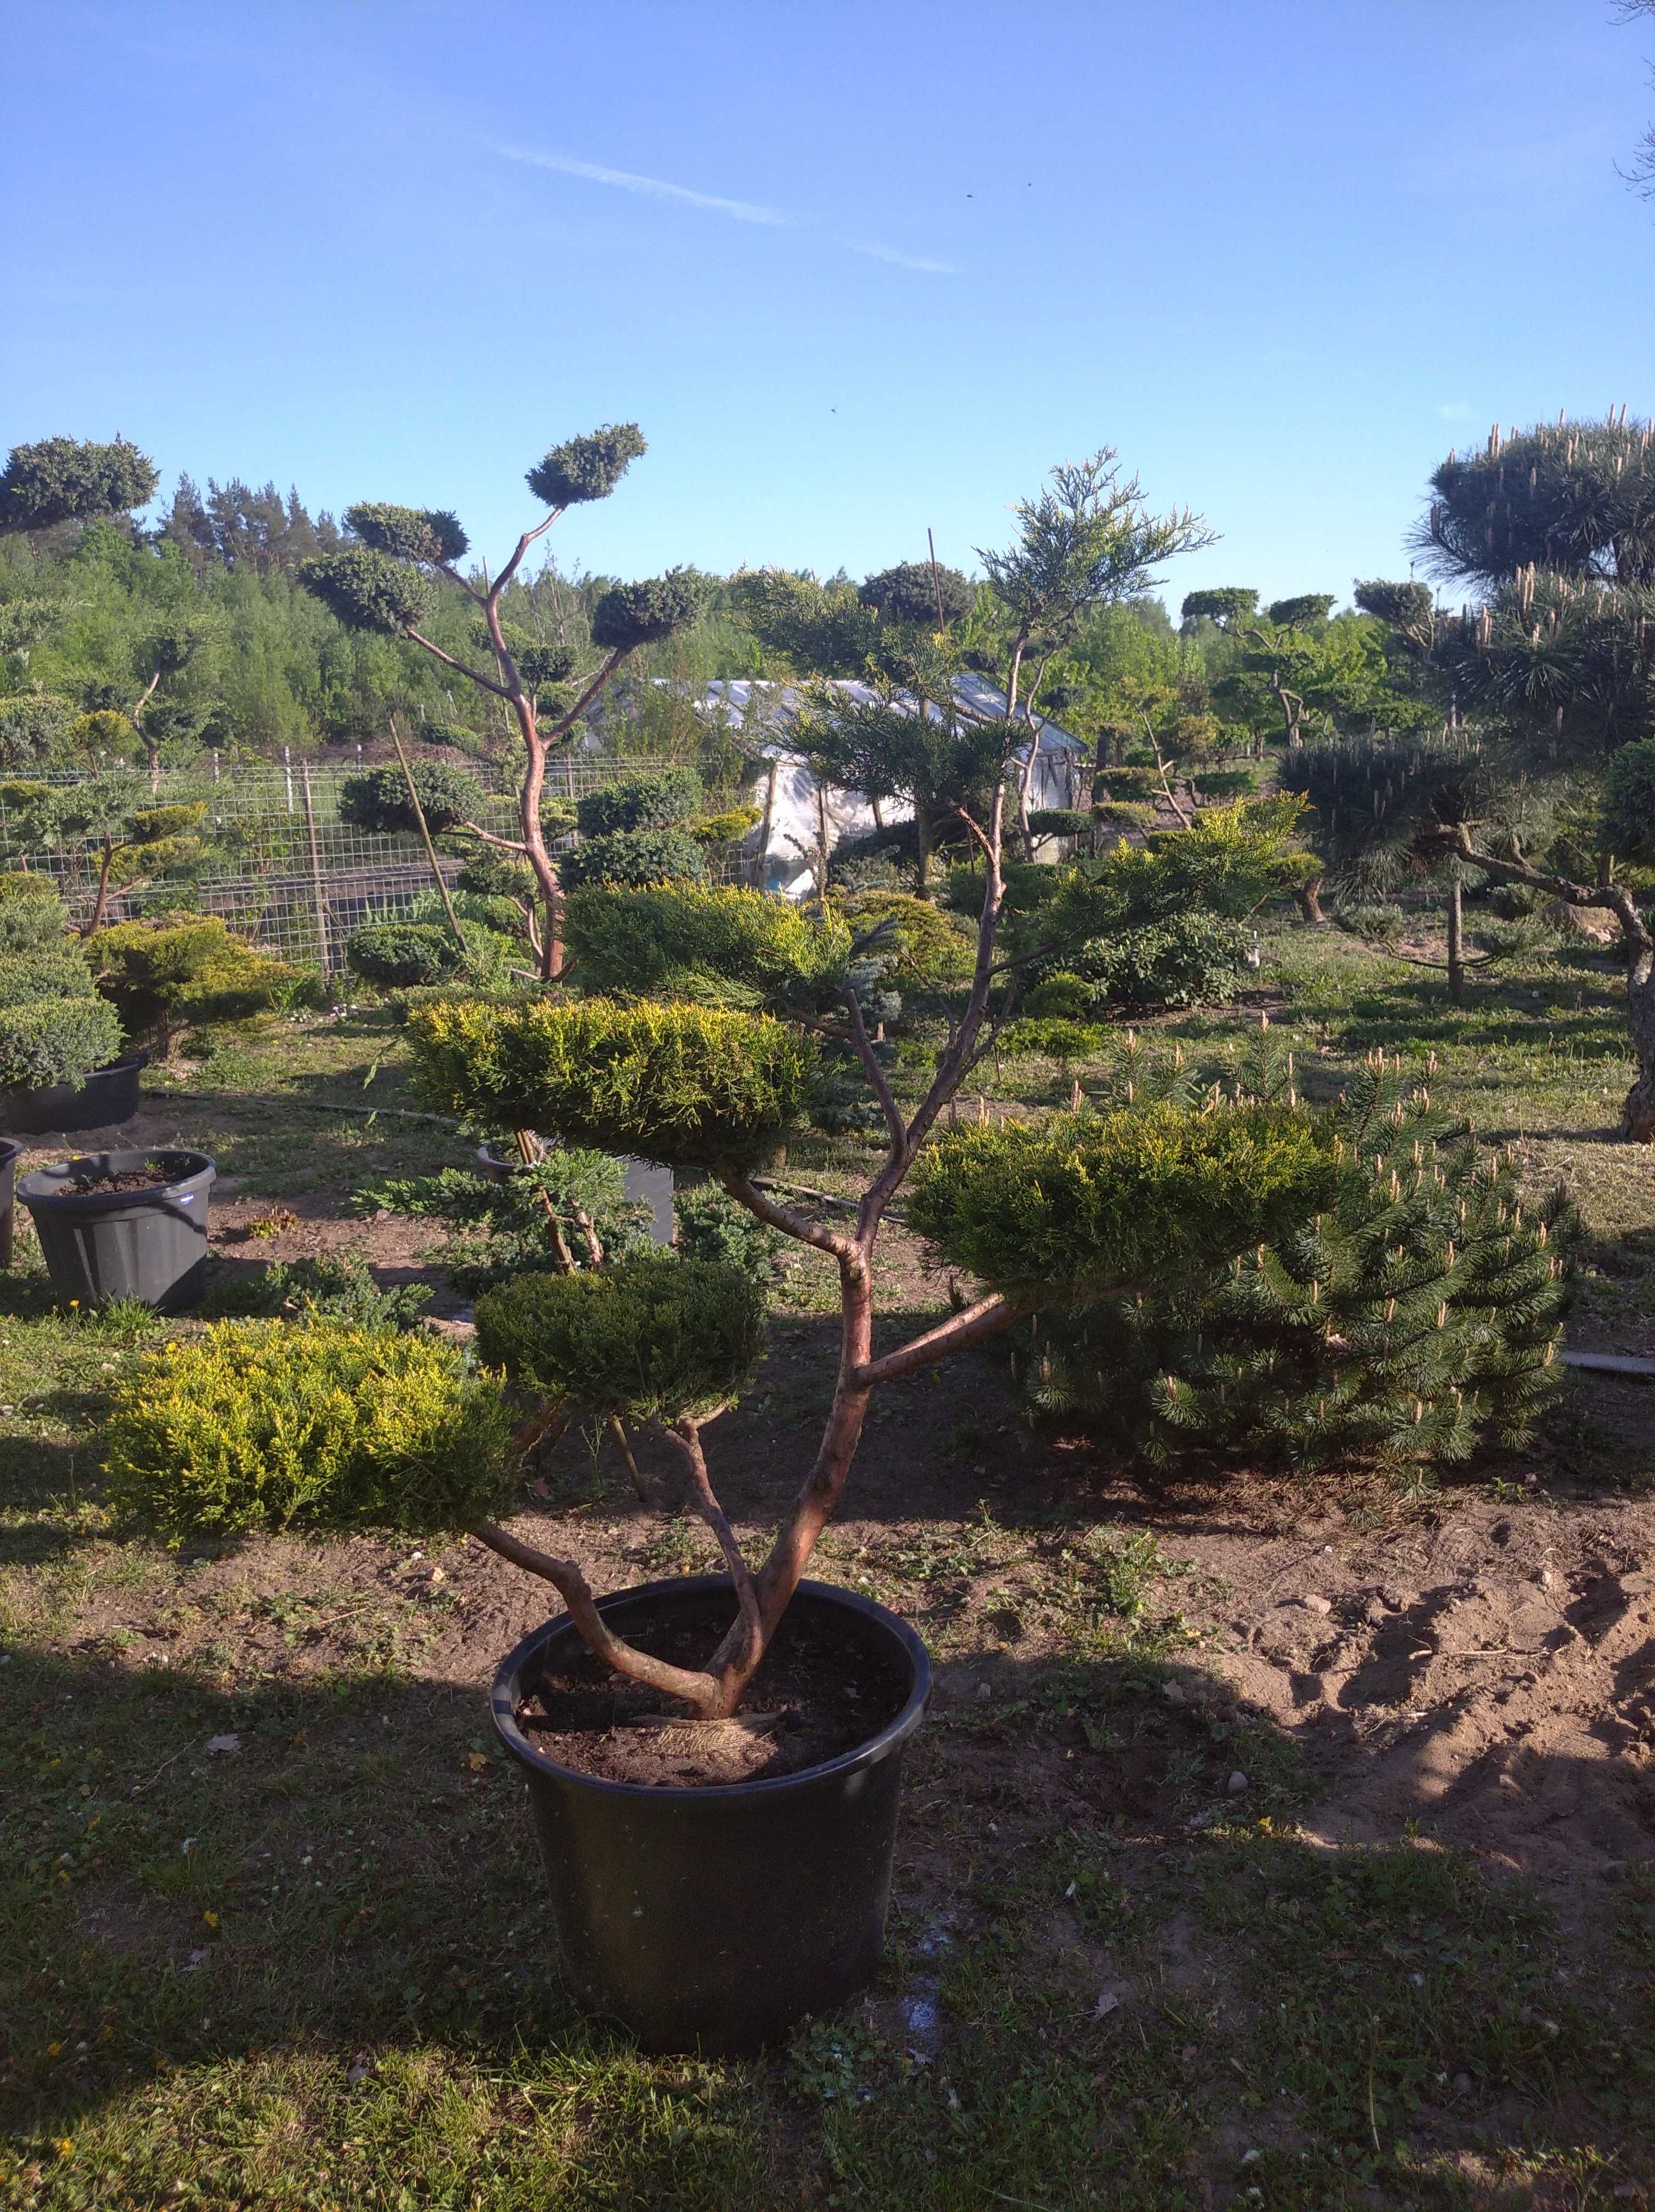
{"x": 387, "y": 583}
{"x": 1081, "y": 1211}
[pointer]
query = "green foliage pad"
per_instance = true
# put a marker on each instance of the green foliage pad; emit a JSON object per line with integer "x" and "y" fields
{"x": 691, "y": 1086}
{"x": 649, "y": 1339}
{"x": 1088, "y": 1205}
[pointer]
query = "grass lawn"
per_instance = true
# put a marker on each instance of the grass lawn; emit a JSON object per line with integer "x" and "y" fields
{"x": 1196, "y": 1904}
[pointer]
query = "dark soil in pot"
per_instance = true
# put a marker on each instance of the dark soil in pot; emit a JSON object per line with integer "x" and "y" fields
{"x": 814, "y": 1698}
{"x": 154, "y": 1177}
{"x": 707, "y": 1914}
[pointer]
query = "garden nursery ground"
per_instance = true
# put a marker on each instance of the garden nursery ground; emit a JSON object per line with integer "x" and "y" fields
{"x": 1270, "y": 1842}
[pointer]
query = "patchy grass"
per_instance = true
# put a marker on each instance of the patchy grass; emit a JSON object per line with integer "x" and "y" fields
{"x": 315, "y": 1970}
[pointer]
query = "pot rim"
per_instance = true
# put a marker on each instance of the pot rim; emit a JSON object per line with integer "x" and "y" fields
{"x": 57, "y": 1194}
{"x": 502, "y": 1710}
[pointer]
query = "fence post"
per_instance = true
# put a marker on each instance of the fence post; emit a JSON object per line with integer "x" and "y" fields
{"x": 287, "y": 771}
{"x": 215, "y": 763}
{"x": 326, "y": 955}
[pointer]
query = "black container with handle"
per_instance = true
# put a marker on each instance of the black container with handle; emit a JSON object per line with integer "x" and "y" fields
{"x": 149, "y": 1244}
{"x": 714, "y": 1920}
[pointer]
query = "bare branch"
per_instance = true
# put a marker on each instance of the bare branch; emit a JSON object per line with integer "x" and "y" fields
{"x": 988, "y": 1317}
{"x": 865, "y": 1053}
{"x": 487, "y": 682}
{"x": 566, "y": 722}
{"x": 516, "y": 561}
{"x": 686, "y": 1435}
{"x": 784, "y": 1219}
{"x": 696, "y": 1690}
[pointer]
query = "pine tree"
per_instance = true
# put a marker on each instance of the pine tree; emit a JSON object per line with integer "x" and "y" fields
{"x": 1415, "y": 1322}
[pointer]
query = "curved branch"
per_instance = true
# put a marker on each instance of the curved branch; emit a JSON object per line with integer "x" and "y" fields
{"x": 523, "y": 545}
{"x": 784, "y": 1219}
{"x": 694, "y": 1689}
{"x": 565, "y": 722}
{"x": 1614, "y": 897}
{"x": 488, "y": 837}
{"x": 741, "y": 1647}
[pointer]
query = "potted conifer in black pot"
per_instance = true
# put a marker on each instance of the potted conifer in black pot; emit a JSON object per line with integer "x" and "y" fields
{"x": 59, "y": 1041}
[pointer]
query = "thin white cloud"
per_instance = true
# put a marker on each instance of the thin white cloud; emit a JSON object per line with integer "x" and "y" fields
{"x": 652, "y": 188}
{"x": 1455, "y": 411}
{"x": 657, "y": 188}
{"x": 902, "y": 260}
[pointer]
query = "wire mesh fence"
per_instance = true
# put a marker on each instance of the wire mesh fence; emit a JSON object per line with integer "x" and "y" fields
{"x": 282, "y": 867}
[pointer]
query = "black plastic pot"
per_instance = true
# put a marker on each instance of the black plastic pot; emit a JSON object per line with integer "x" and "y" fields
{"x": 716, "y": 1919}
{"x": 108, "y": 1096}
{"x": 150, "y": 1245}
{"x": 9, "y": 1151}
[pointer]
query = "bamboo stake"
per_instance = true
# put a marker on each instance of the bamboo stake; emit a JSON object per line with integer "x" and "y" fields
{"x": 324, "y": 952}
{"x": 425, "y": 836}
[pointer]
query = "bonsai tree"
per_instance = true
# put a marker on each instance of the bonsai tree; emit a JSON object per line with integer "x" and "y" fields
{"x": 387, "y": 583}
{"x": 1083, "y": 1210}
{"x": 54, "y": 1028}
{"x": 135, "y": 845}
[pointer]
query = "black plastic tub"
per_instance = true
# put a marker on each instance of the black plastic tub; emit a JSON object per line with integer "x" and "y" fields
{"x": 108, "y": 1096}
{"x": 715, "y": 1919}
{"x": 99, "y": 1245}
{"x": 10, "y": 1150}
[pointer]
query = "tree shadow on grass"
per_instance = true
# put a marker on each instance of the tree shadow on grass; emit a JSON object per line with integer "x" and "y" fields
{"x": 222, "y": 1966}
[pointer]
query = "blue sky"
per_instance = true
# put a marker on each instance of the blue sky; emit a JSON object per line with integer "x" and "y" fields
{"x": 855, "y": 269}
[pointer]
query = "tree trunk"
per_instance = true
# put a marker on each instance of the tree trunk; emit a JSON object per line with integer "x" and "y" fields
{"x": 1309, "y": 897}
{"x": 1457, "y": 938}
{"x": 1637, "y": 1114}
{"x": 923, "y": 839}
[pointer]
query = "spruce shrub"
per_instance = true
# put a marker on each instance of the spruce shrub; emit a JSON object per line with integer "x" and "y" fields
{"x": 642, "y": 802}
{"x": 1413, "y": 1317}
{"x": 649, "y": 1339}
{"x": 1063, "y": 997}
{"x": 56, "y": 971}
{"x": 1054, "y": 1037}
{"x": 690, "y": 1086}
{"x": 32, "y": 914}
{"x": 377, "y": 801}
{"x": 335, "y": 1287}
{"x": 712, "y": 1227}
{"x": 634, "y": 856}
{"x": 253, "y": 1427}
{"x": 920, "y": 949}
{"x": 717, "y": 947}
{"x": 402, "y": 953}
